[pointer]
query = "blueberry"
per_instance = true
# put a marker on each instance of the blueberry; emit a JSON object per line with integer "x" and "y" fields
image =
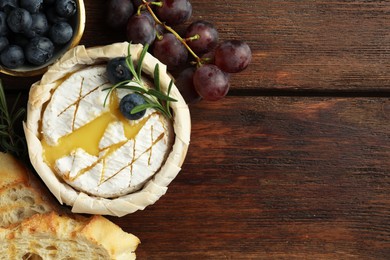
{"x": 66, "y": 8}
{"x": 61, "y": 33}
{"x": 3, "y": 24}
{"x": 12, "y": 56}
{"x": 129, "y": 102}
{"x": 117, "y": 70}
{"x": 3, "y": 42}
{"x": 8, "y": 5}
{"x": 19, "y": 20}
{"x": 33, "y": 6}
{"x": 53, "y": 17}
{"x": 39, "y": 51}
{"x": 39, "y": 25}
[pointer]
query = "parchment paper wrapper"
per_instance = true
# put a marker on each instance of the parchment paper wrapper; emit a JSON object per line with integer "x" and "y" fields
{"x": 40, "y": 93}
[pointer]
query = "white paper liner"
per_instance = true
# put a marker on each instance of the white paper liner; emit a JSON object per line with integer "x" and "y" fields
{"x": 74, "y": 60}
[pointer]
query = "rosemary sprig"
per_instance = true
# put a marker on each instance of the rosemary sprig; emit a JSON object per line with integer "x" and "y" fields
{"x": 155, "y": 98}
{"x": 10, "y": 140}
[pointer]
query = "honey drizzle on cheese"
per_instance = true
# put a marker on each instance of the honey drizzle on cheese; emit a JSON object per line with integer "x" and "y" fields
{"x": 88, "y": 136}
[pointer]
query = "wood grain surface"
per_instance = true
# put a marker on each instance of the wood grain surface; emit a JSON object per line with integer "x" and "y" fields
{"x": 281, "y": 177}
{"x": 295, "y": 162}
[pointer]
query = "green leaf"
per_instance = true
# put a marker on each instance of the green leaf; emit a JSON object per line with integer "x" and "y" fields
{"x": 130, "y": 63}
{"x": 17, "y": 115}
{"x": 141, "y": 60}
{"x": 113, "y": 88}
{"x": 149, "y": 100}
{"x": 10, "y": 141}
{"x": 15, "y": 103}
{"x": 134, "y": 88}
{"x": 160, "y": 95}
{"x": 167, "y": 104}
{"x": 142, "y": 107}
{"x": 170, "y": 87}
{"x": 3, "y": 101}
{"x": 157, "y": 77}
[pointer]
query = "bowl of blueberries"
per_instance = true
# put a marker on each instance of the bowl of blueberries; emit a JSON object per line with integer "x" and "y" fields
{"x": 35, "y": 33}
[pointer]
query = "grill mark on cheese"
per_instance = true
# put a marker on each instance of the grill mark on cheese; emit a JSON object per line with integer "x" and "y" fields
{"x": 77, "y": 103}
{"x": 112, "y": 148}
{"x": 81, "y": 96}
{"x": 95, "y": 130}
{"x": 161, "y": 136}
{"x": 151, "y": 137}
{"x": 102, "y": 159}
{"x": 103, "y": 171}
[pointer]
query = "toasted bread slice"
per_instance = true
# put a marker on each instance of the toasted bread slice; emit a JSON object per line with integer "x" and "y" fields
{"x": 21, "y": 194}
{"x": 34, "y": 226}
{"x": 51, "y": 236}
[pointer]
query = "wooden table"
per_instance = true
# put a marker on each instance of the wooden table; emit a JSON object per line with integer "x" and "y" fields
{"x": 295, "y": 162}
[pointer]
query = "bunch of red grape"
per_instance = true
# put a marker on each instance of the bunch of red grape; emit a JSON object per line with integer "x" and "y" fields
{"x": 151, "y": 22}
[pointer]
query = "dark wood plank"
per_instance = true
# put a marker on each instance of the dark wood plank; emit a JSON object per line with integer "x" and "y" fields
{"x": 276, "y": 177}
{"x": 297, "y": 45}
{"x": 279, "y": 177}
{"x": 300, "y": 45}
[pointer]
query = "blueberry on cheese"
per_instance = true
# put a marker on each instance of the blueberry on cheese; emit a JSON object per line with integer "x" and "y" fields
{"x": 92, "y": 146}
{"x": 87, "y": 151}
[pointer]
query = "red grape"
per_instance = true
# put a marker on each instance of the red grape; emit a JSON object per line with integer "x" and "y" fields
{"x": 210, "y": 82}
{"x": 208, "y": 57}
{"x": 184, "y": 82}
{"x": 118, "y": 12}
{"x": 208, "y": 36}
{"x": 174, "y": 12}
{"x": 140, "y": 30}
{"x": 233, "y": 56}
{"x": 170, "y": 51}
{"x": 147, "y": 15}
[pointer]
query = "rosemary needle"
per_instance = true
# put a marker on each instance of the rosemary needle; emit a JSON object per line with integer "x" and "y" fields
{"x": 10, "y": 140}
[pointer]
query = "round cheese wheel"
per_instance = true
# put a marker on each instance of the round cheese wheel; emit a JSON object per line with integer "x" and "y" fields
{"x": 89, "y": 160}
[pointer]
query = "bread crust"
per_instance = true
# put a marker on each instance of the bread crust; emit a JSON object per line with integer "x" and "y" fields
{"x": 22, "y": 194}
{"x": 51, "y": 231}
{"x": 54, "y": 236}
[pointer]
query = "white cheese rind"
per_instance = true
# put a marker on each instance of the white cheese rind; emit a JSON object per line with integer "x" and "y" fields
{"x": 111, "y": 173}
{"x": 75, "y": 102}
{"x": 125, "y": 169}
{"x": 113, "y": 134}
{"x": 69, "y": 166}
{"x": 74, "y": 60}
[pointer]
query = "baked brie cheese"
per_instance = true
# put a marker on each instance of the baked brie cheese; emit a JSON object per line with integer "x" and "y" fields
{"x": 91, "y": 156}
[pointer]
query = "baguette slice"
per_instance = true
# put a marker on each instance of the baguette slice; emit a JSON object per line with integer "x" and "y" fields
{"x": 34, "y": 226}
{"x": 51, "y": 236}
{"x": 21, "y": 195}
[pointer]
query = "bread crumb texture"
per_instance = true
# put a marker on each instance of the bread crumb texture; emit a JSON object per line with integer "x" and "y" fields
{"x": 32, "y": 228}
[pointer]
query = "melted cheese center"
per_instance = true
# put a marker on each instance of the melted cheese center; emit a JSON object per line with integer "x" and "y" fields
{"x": 95, "y": 149}
{"x": 88, "y": 136}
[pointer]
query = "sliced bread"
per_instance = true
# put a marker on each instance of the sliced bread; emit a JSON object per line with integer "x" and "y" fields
{"x": 34, "y": 226}
{"x": 51, "y": 236}
{"x": 21, "y": 194}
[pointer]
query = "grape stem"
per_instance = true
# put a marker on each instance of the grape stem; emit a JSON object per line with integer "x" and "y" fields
{"x": 171, "y": 30}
